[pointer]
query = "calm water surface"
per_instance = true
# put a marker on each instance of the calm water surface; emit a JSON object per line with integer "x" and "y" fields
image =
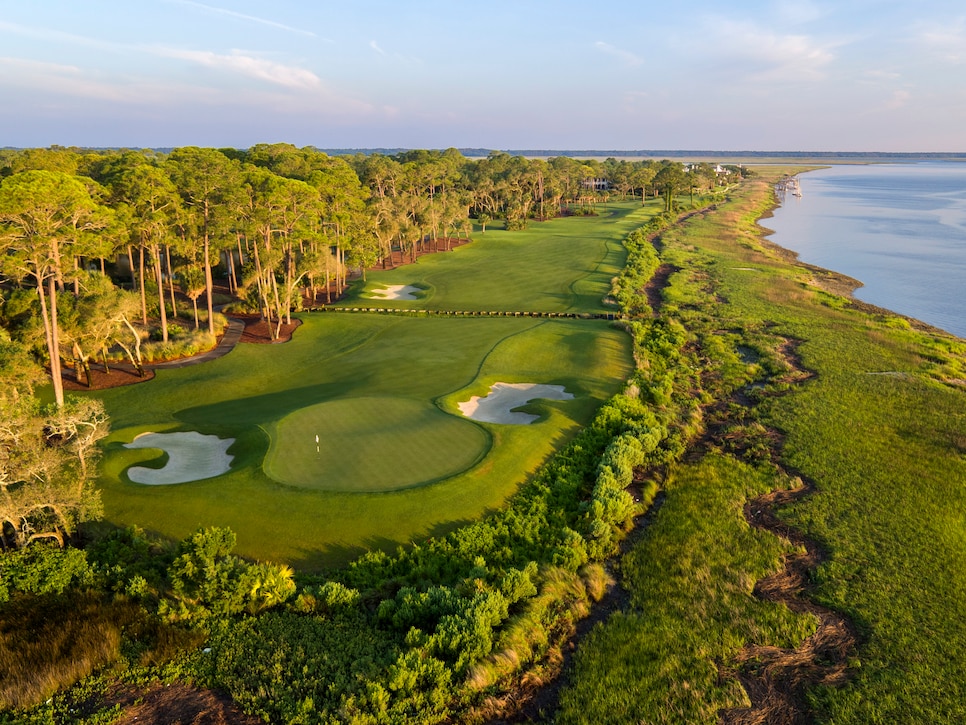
{"x": 899, "y": 228}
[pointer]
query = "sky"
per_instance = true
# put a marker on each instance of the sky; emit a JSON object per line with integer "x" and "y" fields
{"x": 842, "y": 75}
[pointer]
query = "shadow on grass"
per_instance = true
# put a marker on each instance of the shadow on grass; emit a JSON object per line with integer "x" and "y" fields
{"x": 335, "y": 556}
{"x": 227, "y": 416}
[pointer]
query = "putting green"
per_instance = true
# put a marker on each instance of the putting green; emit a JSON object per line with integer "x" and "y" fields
{"x": 370, "y": 444}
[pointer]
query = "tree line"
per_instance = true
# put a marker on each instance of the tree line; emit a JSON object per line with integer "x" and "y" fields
{"x": 101, "y": 248}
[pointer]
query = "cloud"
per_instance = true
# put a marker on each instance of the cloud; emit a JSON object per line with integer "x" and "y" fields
{"x": 401, "y": 60}
{"x": 57, "y": 36}
{"x": 628, "y": 58}
{"x": 947, "y": 41}
{"x": 768, "y": 56}
{"x": 243, "y": 16}
{"x": 50, "y": 88}
{"x": 64, "y": 80}
{"x": 249, "y": 65}
{"x": 880, "y": 74}
{"x": 899, "y": 99}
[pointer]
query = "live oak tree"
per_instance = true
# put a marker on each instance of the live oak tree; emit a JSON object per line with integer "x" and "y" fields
{"x": 47, "y": 218}
{"x": 46, "y": 462}
{"x": 97, "y": 318}
{"x": 19, "y": 373}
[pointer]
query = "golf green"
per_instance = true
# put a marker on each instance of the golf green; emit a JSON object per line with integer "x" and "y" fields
{"x": 372, "y": 444}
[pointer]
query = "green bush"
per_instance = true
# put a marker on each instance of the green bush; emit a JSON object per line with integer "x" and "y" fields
{"x": 42, "y": 569}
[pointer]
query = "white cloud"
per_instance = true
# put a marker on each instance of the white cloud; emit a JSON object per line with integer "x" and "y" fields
{"x": 408, "y": 61}
{"x": 67, "y": 80}
{"x": 58, "y": 36}
{"x": 899, "y": 99}
{"x": 763, "y": 55}
{"x": 243, "y": 16}
{"x": 947, "y": 41}
{"x": 628, "y": 58}
{"x": 67, "y": 89}
{"x": 880, "y": 74}
{"x": 249, "y": 65}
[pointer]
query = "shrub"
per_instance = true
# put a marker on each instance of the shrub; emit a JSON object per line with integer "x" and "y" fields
{"x": 42, "y": 569}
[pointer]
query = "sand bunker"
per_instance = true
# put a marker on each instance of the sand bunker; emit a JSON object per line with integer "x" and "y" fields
{"x": 396, "y": 292}
{"x": 191, "y": 457}
{"x": 497, "y": 407}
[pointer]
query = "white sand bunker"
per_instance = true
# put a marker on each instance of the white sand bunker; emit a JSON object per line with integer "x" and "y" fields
{"x": 396, "y": 292}
{"x": 497, "y": 407}
{"x": 191, "y": 457}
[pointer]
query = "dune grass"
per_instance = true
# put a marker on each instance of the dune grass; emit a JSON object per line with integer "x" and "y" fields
{"x": 260, "y": 395}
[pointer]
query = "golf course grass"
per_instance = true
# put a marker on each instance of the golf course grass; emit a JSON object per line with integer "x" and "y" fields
{"x": 395, "y": 460}
{"x": 561, "y": 265}
{"x": 371, "y": 444}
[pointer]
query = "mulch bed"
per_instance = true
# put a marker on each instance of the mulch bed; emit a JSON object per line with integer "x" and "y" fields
{"x": 101, "y": 381}
{"x": 397, "y": 258}
{"x": 259, "y": 331}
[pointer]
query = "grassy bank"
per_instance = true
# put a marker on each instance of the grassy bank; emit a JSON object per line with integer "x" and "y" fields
{"x": 878, "y": 429}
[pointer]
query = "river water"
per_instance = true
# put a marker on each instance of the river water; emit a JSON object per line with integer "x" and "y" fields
{"x": 899, "y": 228}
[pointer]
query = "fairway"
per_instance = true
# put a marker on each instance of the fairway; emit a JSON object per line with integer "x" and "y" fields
{"x": 395, "y": 461}
{"x": 561, "y": 265}
{"x": 371, "y": 444}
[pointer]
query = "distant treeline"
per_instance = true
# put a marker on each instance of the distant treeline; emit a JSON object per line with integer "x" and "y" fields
{"x": 673, "y": 154}
{"x": 639, "y": 153}
{"x": 687, "y": 153}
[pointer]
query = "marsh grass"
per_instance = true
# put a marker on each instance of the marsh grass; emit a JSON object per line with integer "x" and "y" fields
{"x": 690, "y": 580}
{"x": 49, "y": 642}
{"x": 875, "y": 422}
{"x": 565, "y": 598}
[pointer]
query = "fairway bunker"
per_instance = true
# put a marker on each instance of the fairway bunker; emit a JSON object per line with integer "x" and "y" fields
{"x": 498, "y": 406}
{"x": 396, "y": 292}
{"x": 191, "y": 457}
